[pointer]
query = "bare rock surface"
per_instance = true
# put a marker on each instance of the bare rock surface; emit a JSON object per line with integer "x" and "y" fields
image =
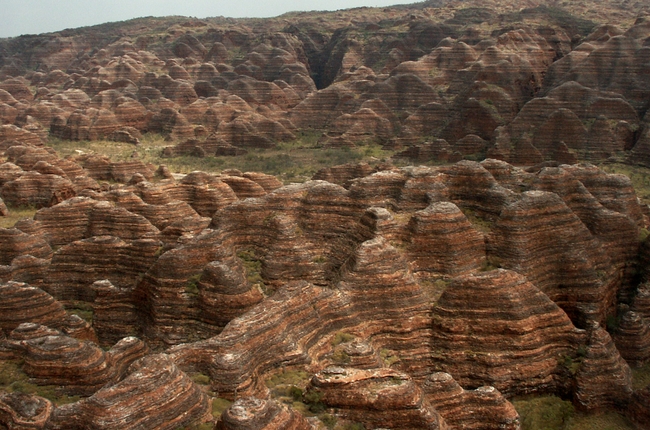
{"x": 252, "y": 413}
{"x": 377, "y": 397}
{"x": 468, "y": 346}
{"x": 482, "y": 408}
{"x": 153, "y": 394}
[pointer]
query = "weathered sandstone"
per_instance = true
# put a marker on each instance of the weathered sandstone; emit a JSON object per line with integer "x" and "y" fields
{"x": 381, "y": 397}
{"x": 153, "y": 394}
{"x": 496, "y": 328}
{"x": 24, "y": 411}
{"x": 603, "y": 378}
{"x": 77, "y": 367}
{"x": 252, "y": 413}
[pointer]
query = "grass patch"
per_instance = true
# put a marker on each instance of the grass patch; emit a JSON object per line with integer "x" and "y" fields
{"x": 288, "y": 387}
{"x": 480, "y": 224}
{"x": 641, "y": 377}
{"x": 253, "y": 265}
{"x": 81, "y": 309}
{"x": 643, "y": 234}
{"x": 149, "y": 149}
{"x": 16, "y": 214}
{"x": 604, "y": 421}
{"x": 352, "y": 426}
{"x": 553, "y": 413}
{"x": 294, "y": 161}
{"x": 13, "y": 379}
{"x": 544, "y": 413}
{"x": 204, "y": 426}
{"x": 219, "y": 405}
{"x": 433, "y": 288}
{"x": 639, "y": 176}
{"x": 201, "y": 379}
{"x": 298, "y": 378}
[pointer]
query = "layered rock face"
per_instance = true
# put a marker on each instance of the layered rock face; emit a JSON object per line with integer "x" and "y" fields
{"x": 16, "y": 243}
{"x": 496, "y": 328}
{"x": 632, "y": 339}
{"x": 573, "y": 259}
{"x": 402, "y": 262}
{"x": 252, "y": 413}
{"x": 380, "y": 397}
{"x": 77, "y": 367}
{"x": 482, "y": 408}
{"x": 444, "y": 241}
{"x": 153, "y": 394}
{"x": 23, "y": 303}
{"x": 603, "y": 378}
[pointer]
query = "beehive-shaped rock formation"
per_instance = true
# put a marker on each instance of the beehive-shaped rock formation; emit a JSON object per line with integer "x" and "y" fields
{"x": 75, "y": 366}
{"x": 252, "y": 413}
{"x": 603, "y": 378}
{"x": 496, "y": 328}
{"x": 381, "y": 397}
{"x": 482, "y": 408}
{"x": 575, "y": 269}
{"x": 153, "y": 394}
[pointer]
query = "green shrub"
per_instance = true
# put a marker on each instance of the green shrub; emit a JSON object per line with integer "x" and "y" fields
{"x": 313, "y": 399}
{"x": 612, "y": 323}
{"x": 388, "y": 357}
{"x": 328, "y": 420}
{"x": 295, "y": 393}
{"x": 219, "y": 405}
{"x": 201, "y": 379}
{"x": 340, "y": 357}
{"x": 319, "y": 259}
{"x": 192, "y": 286}
{"x": 342, "y": 337}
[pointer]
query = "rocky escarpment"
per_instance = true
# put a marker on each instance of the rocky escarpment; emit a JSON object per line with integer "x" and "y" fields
{"x": 561, "y": 82}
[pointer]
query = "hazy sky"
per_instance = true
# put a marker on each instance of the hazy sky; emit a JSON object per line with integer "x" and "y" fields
{"x": 41, "y": 16}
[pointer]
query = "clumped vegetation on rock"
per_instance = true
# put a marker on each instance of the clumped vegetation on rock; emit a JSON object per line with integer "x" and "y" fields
{"x": 423, "y": 216}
